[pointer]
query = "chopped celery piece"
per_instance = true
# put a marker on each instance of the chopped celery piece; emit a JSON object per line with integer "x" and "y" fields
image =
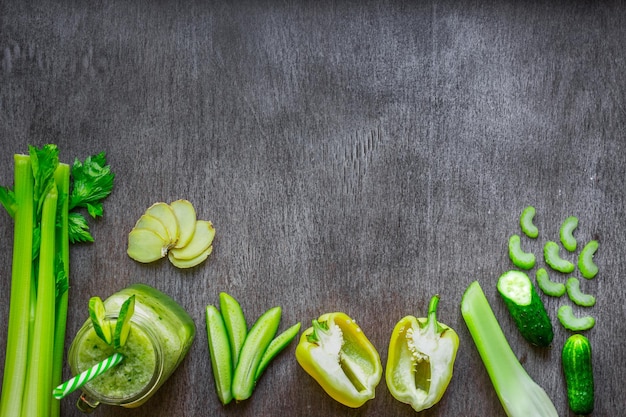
{"x": 576, "y": 295}
{"x": 519, "y": 395}
{"x": 549, "y": 287}
{"x": 566, "y": 233}
{"x": 521, "y": 259}
{"x": 571, "y": 322}
{"x": 16, "y": 353}
{"x": 587, "y": 266}
{"x": 526, "y": 222}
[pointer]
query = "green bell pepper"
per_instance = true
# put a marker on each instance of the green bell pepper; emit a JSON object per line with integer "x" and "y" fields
{"x": 338, "y": 355}
{"x": 421, "y": 359}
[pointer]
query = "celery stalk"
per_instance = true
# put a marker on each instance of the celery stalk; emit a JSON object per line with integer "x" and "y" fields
{"x": 16, "y": 359}
{"x": 44, "y": 228}
{"x": 37, "y": 398}
{"x": 519, "y": 395}
{"x": 62, "y": 178}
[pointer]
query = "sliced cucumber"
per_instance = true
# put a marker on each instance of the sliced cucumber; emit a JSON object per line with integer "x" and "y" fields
{"x": 526, "y": 308}
{"x": 122, "y": 328}
{"x": 97, "y": 314}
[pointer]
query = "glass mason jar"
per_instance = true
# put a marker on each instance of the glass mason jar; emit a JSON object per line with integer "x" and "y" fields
{"x": 160, "y": 337}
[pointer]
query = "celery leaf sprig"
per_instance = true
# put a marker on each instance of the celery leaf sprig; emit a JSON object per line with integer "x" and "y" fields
{"x": 92, "y": 183}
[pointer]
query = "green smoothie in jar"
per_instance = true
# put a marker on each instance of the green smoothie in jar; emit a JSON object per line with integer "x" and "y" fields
{"x": 160, "y": 336}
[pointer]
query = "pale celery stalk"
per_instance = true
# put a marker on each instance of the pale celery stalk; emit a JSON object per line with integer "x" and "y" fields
{"x": 62, "y": 178}
{"x": 519, "y": 394}
{"x": 16, "y": 359}
{"x": 37, "y": 398}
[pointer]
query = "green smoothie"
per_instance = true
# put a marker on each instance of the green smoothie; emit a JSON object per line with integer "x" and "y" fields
{"x": 131, "y": 376}
{"x": 160, "y": 337}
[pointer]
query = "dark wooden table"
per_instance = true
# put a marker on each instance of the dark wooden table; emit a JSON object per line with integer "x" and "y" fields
{"x": 353, "y": 156}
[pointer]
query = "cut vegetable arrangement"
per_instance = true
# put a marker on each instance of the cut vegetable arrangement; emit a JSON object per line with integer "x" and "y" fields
{"x": 559, "y": 265}
{"x": 171, "y": 230}
{"x": 518, "y": 294}
{"x": 42, "y": 203}
{"x": 238, "y": 355}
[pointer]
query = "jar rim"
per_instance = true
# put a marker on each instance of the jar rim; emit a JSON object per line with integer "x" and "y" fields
{"x": 142, "y": 323}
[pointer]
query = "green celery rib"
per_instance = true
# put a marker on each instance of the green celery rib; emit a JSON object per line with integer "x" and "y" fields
{"x": 16, "y": 358}
{"x": 519, "y": 395}
{"x": 62, "y": 178}
{"x": 37, "y": 397}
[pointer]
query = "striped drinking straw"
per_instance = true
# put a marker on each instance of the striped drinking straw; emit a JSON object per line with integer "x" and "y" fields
{"x": 86, "y": 376}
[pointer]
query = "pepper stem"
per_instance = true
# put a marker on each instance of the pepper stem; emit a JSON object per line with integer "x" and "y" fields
{"x": 314, "y": 336}
{"x": 431, "y": 322}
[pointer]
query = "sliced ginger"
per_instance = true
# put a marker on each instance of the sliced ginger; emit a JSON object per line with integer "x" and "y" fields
{"x": 189, "y": 263}
{"x": 171, "y": 230}
{"x": 146, "y": 246}
{"x": 164, "y": 213}
{"x": 201, "y": 240}
{"x": 186, "y": 215}
{"x": 146, "y": 221}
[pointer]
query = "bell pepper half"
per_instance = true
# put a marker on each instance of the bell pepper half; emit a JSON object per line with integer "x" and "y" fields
{"x": 338, "y": 355}
{"x": 421, "y": 359}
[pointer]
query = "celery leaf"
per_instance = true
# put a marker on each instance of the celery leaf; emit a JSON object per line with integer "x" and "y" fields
{"x": 7, "y": 199}
{"x": 78, "y": 229}
{"x": 95, "y": 210}
{"x": 45, "y": 161}
{"x": 92, "y": 182}
{"x": 61, "y": 279}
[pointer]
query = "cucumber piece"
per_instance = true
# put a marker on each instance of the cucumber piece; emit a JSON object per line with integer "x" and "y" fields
{"x": 578, "y": 371}
{"x": 219, "y": 351}
{"x": 97, "y": 314}
{"x": 122, "y": 328}
{"x": 526, "y": 308}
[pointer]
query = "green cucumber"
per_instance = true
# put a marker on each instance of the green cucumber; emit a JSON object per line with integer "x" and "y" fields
{"x": 576, "y": 360}
{"x": 526, "y": 308}
{"x": 220, "y": 354}
{"x": 122, "y": 328}
{"x": 101, "y": 325}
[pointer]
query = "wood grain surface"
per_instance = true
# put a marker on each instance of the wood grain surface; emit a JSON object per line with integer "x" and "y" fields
{"x": 353, "y": 156}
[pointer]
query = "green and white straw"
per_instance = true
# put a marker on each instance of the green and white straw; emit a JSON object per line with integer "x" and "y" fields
{"x": 86, "y": 376}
